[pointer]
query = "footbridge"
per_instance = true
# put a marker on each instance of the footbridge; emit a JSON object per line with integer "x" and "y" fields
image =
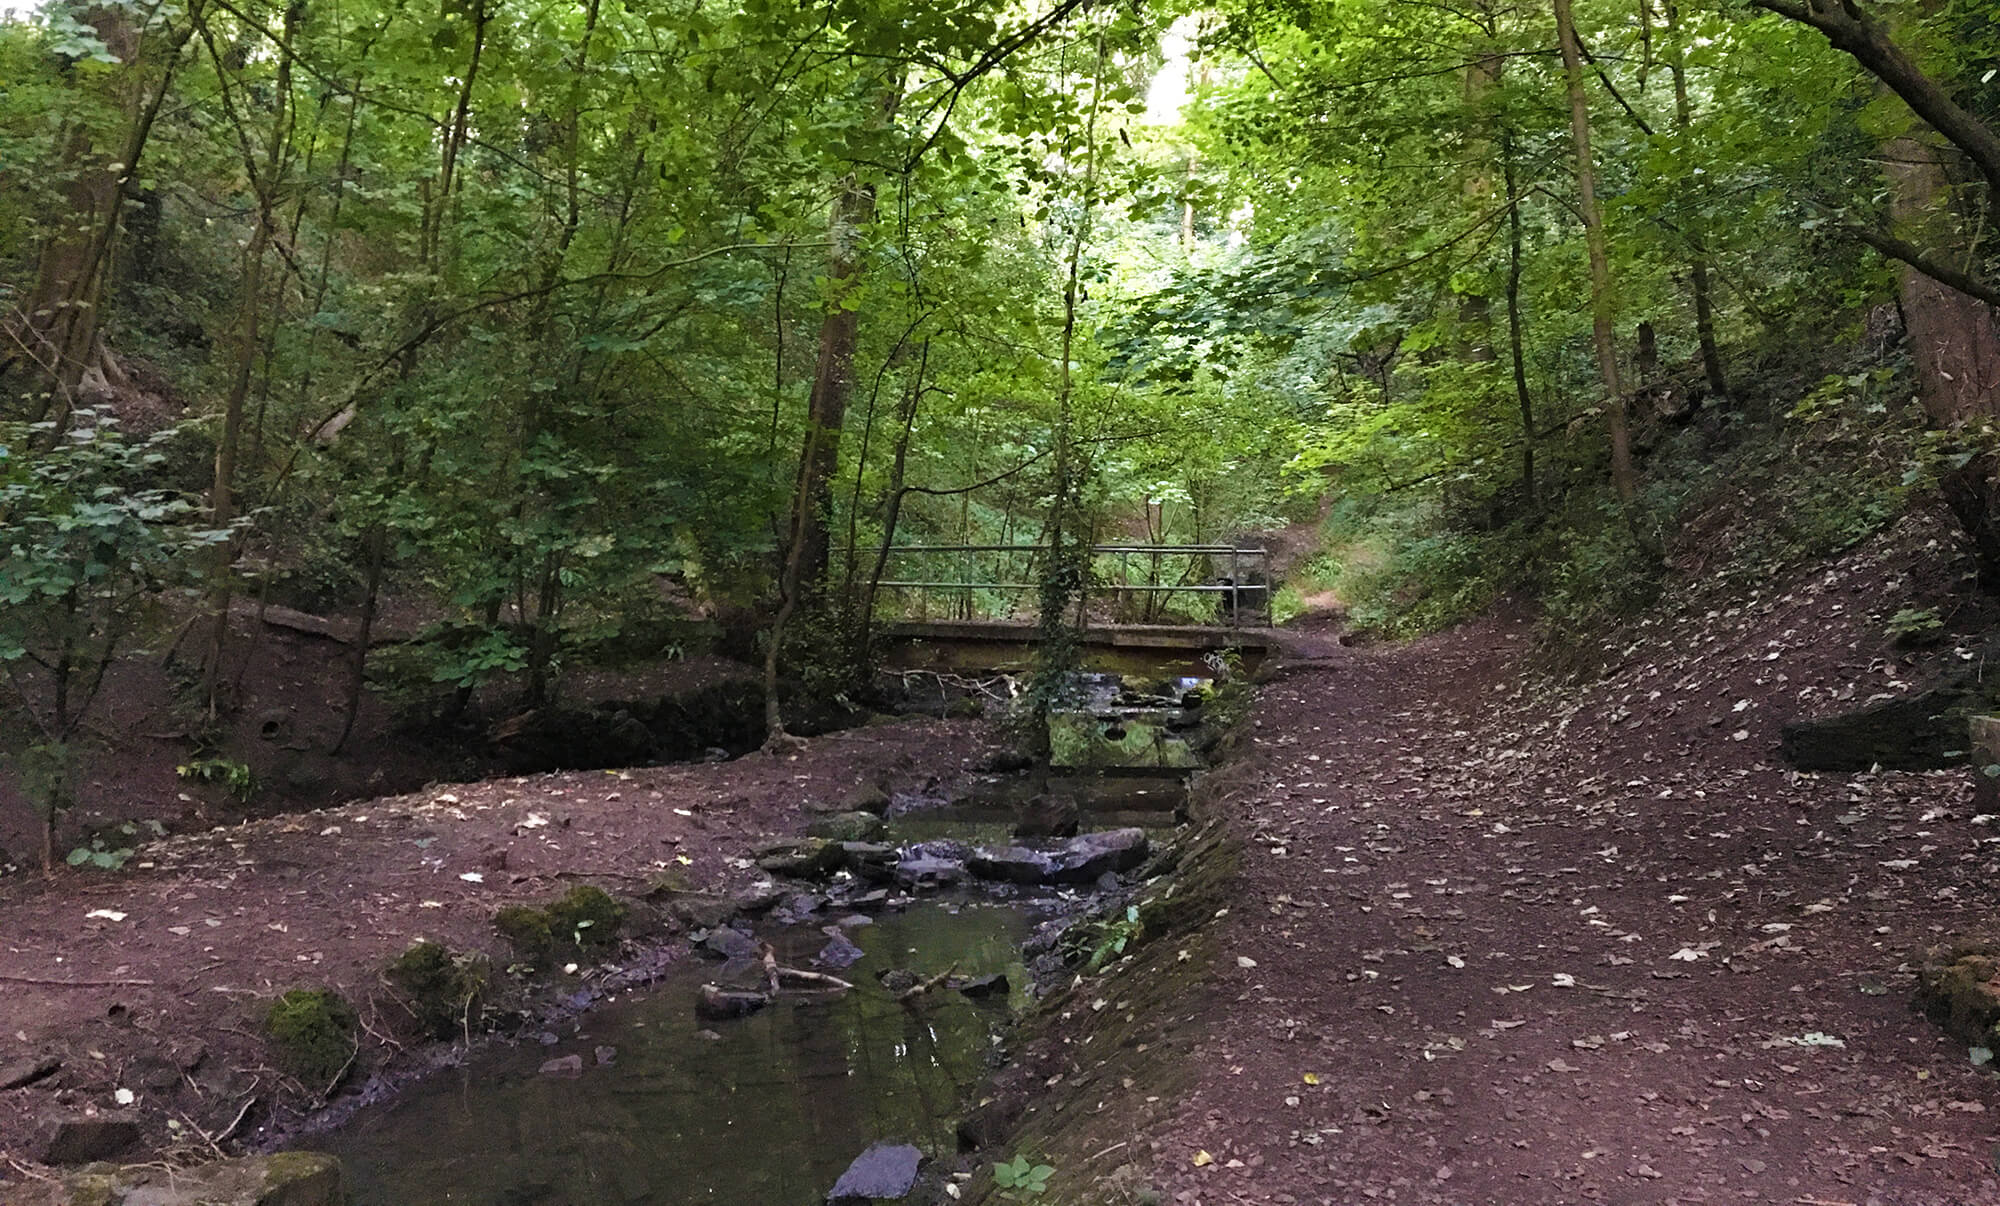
{"x": 1144, "y": 608}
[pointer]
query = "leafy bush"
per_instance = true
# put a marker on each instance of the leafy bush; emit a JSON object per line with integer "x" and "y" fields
{"x": 233, "y": 776}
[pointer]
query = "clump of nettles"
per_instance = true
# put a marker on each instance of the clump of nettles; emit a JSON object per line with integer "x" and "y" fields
{"x": 444, "y": 992}
{"x": 584, "y": 920}
{"x": 316, "y": 1033}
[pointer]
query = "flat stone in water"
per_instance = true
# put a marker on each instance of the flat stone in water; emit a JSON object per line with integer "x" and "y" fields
{"x": 839, "y": 952}
{"x": 730, "y": 943}
{"x": 928, "y": 872}
{"x": 281, "y": 1179}
{"x": 1013, "y": 865}
{"x": 885, "y": 1172}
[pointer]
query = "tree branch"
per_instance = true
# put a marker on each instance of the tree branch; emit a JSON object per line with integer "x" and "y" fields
{"x": 1916, "y": 257}
{"x": 1851, "y": 28}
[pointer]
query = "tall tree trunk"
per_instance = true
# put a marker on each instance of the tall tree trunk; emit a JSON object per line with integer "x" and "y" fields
{"x": 833, "y": 385}
{"x": 357, "y": 677}
{"x": 222, "y": 494}
{"x": 892, "y": 513}
{"x": 1482, "y": 80}
{"x": 1704, "y": 307}
{"x": 1953, "y": 341}
{"x": 1623, "y": 478}
{"x": 808, "y": 547}
{"x": 1065, "y": 576}
{"x": 1952, "y": 336}
{"x": 1522, "y": 397}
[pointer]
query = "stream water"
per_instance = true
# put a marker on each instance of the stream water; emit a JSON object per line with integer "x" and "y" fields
{"x": 767, "y": 1109}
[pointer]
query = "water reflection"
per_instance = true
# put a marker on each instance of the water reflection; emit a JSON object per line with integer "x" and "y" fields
{"x": 768, "y": 1109}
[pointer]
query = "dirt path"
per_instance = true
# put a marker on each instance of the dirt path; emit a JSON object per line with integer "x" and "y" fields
{"x": 1497, "y": 944}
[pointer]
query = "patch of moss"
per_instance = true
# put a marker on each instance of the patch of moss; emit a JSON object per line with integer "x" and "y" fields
{"x": 584, "y": 919}
{"x": 527, "y": 930}
{"x": 443, "y": 991}
{"x": 316, "y": 1033}
{"x": 586, "y": 916}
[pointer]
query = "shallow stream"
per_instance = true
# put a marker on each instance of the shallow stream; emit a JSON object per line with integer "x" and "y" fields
{"x": 640, "y": 1103}
{"x": 767, "y": 1109}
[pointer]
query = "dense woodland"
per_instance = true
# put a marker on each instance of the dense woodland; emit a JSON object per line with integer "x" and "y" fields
{"x": 556, "y": 319}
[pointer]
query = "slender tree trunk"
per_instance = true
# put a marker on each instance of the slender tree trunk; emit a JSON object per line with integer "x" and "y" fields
{"x": 833, "y": 385}
{"x": 222, "y": 494}
{"x": 1522, "y": 396}
{"x": 892, "y": 515}
{"x": 1065, "y": 578}
{"x": 1623, "y": 478}
{"x": 1482, "y": 80}
{"x": 357, "y": 676}
{"x": 807, "y": 549}
{"x": 1704, "y": 308}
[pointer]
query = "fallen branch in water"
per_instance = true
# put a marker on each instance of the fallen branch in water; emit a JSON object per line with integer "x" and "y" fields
{"x": 834, "y": 983}
{"x": 775, "y": 972}
{"x": 911, "y": 994}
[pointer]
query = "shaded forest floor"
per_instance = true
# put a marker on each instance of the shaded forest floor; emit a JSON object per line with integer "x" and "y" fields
{"x": 1501, "y": 940}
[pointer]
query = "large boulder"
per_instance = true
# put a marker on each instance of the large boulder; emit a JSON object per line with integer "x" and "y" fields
{"x": 1924, "y": 731}
{"x": 1051, "y": 815}
{"x": 727, "y": 942}
{"x": 871, "y": 861}
{"x": 801, "y": 858}
{"x": 713, "y": 1004}
{"x": 1958, "y": 987}
{"x": 928, "y": 872}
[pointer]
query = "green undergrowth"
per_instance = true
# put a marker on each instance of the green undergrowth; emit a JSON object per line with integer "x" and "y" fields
{"x": 1802, "y": 470}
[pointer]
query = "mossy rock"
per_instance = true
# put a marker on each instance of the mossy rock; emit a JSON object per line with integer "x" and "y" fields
{"x": 316, "y": 1033}
{"x": 801, "y": 858}
{"x": 279, "y": 1179}
{"x": 586, "y": 917}
{"x": 527, "y": 930}
{"x": 848, "y": 827}
{"x": 444, "y": 992}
